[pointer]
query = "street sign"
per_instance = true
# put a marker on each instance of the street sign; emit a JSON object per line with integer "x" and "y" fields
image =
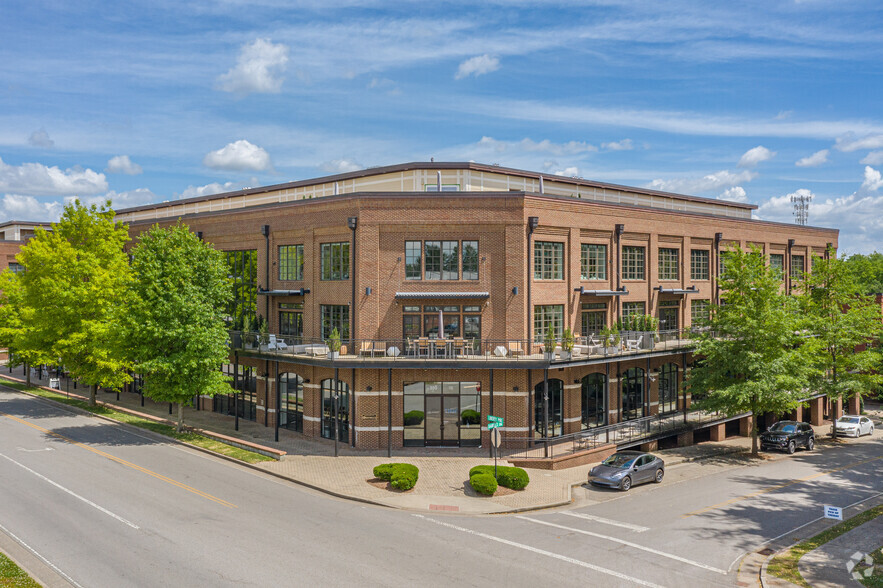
{"x": 496, "y": 437}
{"x": 493, "y": 422}
{"x": 833, "y": 512}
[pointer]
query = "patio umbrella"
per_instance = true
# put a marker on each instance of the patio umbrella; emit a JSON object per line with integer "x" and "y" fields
{"x": 441, "y": 324}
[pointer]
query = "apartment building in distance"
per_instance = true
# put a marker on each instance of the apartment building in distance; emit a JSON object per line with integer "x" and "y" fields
{"x": 443, "y": 279}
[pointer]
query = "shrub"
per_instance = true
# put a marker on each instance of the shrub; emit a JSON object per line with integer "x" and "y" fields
{"x": 413, "y": 417}
{"x": 509, "y": 477}
{"x": 470, "y": 417}
{"x": 401, "y": 476}
{"x": 483, "y": 484}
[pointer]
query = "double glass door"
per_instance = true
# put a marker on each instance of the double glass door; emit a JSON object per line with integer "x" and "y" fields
{"x": 442, "y": 420}
{"x": 668, "y": 319}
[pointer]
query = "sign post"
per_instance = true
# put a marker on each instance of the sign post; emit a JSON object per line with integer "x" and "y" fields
{"x": 493, "y": 424}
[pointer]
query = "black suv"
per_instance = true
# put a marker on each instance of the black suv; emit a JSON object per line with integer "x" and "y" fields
{"x": 788, "y": 435}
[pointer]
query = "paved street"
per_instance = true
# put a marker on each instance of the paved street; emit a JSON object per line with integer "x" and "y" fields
{"x": 108, "y": 506}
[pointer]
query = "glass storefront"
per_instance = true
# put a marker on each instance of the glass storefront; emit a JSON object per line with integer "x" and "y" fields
{"x": 668, "y": 388}
{"x": 245, "y": 383}
{"x": 556, "y": 422}
{"x": 291, "y": 396}
{"x": 633, "y": 394}
{"x": 442, "y": 414}
{"x": 329, "y": 387}
{"x": 593, "y": 413}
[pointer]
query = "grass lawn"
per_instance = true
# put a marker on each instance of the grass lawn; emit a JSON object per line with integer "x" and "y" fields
{"x": 13, "y": 576}
{"x": 876, "y": 578}
{"x": 784, "y": 565}
{"x": 167, "y": 430}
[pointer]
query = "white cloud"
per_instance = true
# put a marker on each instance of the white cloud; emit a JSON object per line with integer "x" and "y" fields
{"x": 814, "y": 160}
{"x": 734, "y": 194}
{"x": 849, "y": 142}
{"x": 127, "y": 199}
{"x": 873, "y": 158}
{"x": 756, "y": 155}
{"x": 530, "y": 146}
{"x": 384, "y": 85}
{"x": 477, "y": 66}
{"x": 340, "y": 166}
{"x": 570, "y": 172}
{"x": 238, "y": 156}
{"x": 722, "y": 179}
{"x": 36, "y": 179}
{"x": 208, "y": 189}
{"x": 121, "y": 164}
{"x": 41, "y": 138}
{"x": 259, "y": 68}
{"x": 873, "y": 180}
{"x": 624, "y": 145}
{"x": 20, "y": 207}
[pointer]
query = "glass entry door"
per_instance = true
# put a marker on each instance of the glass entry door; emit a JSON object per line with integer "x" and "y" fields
{"x": 442, "y": 420}
{"x": 668, "y": 319}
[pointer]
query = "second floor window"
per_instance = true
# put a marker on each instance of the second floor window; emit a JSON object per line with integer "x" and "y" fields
{"x": 699, "y": 311}
{"x": 699, "y": 264}
{"x": 336, "y": 261}
{"x": 546, "y": 316}
{"x": 291, "y": 262}
{"x": 548, "y": 260}
{"x": 335, "y": 316}
{"x": 470, "y": 260}
{"x": 668, "y": 264}
{"x": 777, "y": 264}
{"x": 413, "y": 265}
{"x": 450, "y": 260}
{"x": 593, "y": 262}
{"x": 633, "y": 308}
{"x": 632, "y": 263}
{"x": 797, "y": 266}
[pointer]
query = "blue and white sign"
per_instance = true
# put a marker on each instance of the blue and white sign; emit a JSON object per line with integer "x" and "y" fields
{"x": 833, "y": 512}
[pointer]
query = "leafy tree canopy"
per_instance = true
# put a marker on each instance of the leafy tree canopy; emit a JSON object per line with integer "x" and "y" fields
{"x": 866, "y": 272}
{"x": 174, "y": 327}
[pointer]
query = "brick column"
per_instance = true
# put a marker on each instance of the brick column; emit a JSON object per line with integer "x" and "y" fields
{"x": 816, "y": 411}
{"x": 718, "y": 432}
{"x": 745, "y": 424}
{"x": 685, "y": 439}
{"x": 853, "y": 405}
{"x": 650, "y": 446}
{"x": 797, "y": 413}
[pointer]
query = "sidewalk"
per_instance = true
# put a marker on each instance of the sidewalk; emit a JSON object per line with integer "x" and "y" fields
{"x": 443, "y": 483}
{"x": 827, "y": 566}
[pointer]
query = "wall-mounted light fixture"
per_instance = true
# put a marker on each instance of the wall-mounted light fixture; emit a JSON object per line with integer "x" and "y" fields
{"x": 533, "y": 222}
{"x": 368, "y": 291}
{"x": 718, "y": 237}
{"x": 368, "y": 388}
{"x": 265, "y": 230}
{"x": 352, "y": 222}
{"x": 307, "y": 381}
{"x": 620, "y": 229}
{"x": 790, "y": 243}
{"x": 515, "y": 388}
{"x": 515, "y": 290}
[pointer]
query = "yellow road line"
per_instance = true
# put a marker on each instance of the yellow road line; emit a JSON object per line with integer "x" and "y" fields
{"x": 125, "y": 463}
{"x": 779, "y": 487}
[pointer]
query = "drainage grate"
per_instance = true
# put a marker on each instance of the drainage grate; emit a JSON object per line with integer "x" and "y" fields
{"x": 766, "y": 551}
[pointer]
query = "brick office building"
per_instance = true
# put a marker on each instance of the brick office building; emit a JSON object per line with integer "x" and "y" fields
{"x": 442, "y": 279}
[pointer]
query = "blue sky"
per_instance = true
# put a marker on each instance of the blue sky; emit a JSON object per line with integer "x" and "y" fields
{"x": 150, "y": 101}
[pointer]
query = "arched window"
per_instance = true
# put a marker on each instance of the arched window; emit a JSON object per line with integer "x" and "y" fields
{"x": 668, "y": 388}
{"x": 343, "y": 409}
{"x": 633, "y": 394}
{"x": 556, "y": 392}
{"x": 291, "y": 396}
{"x": 592, "y": 396}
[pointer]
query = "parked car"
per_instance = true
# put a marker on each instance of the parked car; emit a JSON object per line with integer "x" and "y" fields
{"x": 788, "y": 435}
{"x": 625, "y": 469}
{"x": 854, "y": 426}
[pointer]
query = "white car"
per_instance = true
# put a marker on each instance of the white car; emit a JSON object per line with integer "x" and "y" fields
{"x": 854, "y": 426}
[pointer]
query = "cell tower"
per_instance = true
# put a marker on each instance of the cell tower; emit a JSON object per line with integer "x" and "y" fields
{"x": 801, "y": 206}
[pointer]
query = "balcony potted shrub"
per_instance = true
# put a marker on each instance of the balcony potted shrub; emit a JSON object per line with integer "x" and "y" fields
{"x": 610, "y": 340}
{"x": 567, "y": 342}
{"x": 549, "y": 343}
{"x": 334, "y": 344}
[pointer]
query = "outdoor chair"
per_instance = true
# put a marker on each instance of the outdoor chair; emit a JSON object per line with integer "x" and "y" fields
{"x": 459, "y": 346}
{"x": 423, "y": 346}
{"x": 277, "y": 344}
{"x": 633, "y": 344}
{"x": 515, "y": 349}
{"x": 366, "y": 347}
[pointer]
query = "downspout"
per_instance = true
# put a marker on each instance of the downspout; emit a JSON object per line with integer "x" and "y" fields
{"x": 352, "y": 222}
{"x": 617, "y": 235}
{"x": 353, "y": 420}
{"x": 718, "y": 237}
{"x": 265, "y": 231}
{"x": 490, "y": 409}
{"x": 788, "y": 267}
{"x": 532, "y": 223}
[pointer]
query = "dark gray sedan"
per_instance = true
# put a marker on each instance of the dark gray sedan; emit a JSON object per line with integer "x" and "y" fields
{"x": 625, "y": 469}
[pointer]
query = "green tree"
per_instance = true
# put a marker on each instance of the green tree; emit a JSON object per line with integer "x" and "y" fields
{"x": 11, "y": 330}
{"x": 174, "y": 327}
{"x": 75, "y": 276}
{"x": 752, "y": 354}
{"x": 866, "y": 272}
{"x": 843, "y": 323}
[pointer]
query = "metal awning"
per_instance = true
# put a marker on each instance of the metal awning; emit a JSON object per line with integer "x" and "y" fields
{"x": 678, "y": 291}
{"x": 440, "y": 295}
{"x": 583, "y": 292}
{"x": 301, "y": 292}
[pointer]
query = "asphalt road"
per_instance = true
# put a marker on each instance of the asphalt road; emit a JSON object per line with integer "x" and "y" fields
{"x": 108, "y": 506}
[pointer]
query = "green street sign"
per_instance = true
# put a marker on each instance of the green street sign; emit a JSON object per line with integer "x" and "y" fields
{"x": 493, "y": 422}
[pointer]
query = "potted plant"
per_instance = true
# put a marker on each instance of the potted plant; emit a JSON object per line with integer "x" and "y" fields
{"x": 610, "y": 340}
{"x": 567, "y": 342}
{"x": 263, "y": 331}
{"x": 549, "y": 343}
{"x": 334, "y": 344}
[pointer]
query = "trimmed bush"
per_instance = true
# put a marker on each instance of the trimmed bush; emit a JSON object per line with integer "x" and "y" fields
{"x": 483, "y": 484}
{"x": 509, "y": 477}
{"x": 413, "y": 417}
{"x": 401, "y": 476}
{"x": 470, "y": 417}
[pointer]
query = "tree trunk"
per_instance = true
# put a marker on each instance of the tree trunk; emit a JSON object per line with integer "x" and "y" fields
{"x": 754, "y": 447}
{"x": 180, "y": 427}
{"x": 28, "y": 375}
{"x": 834, "y": 381}
{"x": 93, "y": 394}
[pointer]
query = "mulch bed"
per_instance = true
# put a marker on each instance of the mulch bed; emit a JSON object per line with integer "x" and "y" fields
{"x": 384, "y": 485}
